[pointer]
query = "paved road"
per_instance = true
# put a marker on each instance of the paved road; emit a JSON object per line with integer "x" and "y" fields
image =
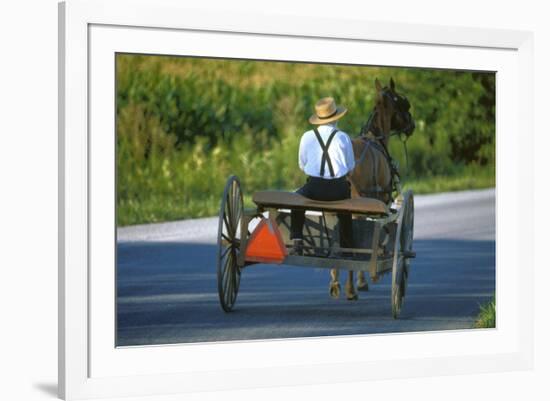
{"x": 166, "y": 282}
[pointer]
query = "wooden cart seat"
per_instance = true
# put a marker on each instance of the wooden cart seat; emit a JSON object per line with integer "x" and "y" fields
{"x": 292, "y": 200}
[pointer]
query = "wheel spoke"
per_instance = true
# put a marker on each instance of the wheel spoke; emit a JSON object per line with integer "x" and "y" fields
{"x": 225, "y": 271}
{"x": 235, "y": 207}
{"x": 238, "y": 214}
{"x": 230, "y": 283}
{"x": 227, "y": 275}
{"x": 224, "y": 253}
{"x": 226, "y": 292}
{"x": 226, "y": 287}
{"x": 233, "y": 285}
{"x": 228, "y": 214}
{"x": 236, "y": 280}
{"x": 230, "y": 290}
{"x": 227, "y": 226}
{"x": 227, "y": 220}
{"x": 231, "y": 200}
{"x": 233, "y": 195}
{"x": 227, "y": 263}
{"x": 231, "y": 219}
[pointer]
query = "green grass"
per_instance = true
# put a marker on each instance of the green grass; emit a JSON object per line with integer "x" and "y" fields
{"x": 472, "y": 178}
{"x": 487, "y": 316}
{"x": 168, "y": 207}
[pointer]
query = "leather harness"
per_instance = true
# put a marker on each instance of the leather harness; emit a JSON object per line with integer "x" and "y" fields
{"x": 371, "y": 192}
{"x": 376, "y": 190}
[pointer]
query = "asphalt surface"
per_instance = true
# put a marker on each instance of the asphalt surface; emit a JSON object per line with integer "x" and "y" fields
{"x": 167, "y": 290}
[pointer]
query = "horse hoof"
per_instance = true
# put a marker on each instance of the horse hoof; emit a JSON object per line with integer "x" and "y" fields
{"x": 363, "y": 286}
{"x": 334, "y": 290}
{"x": 352, "y": 297}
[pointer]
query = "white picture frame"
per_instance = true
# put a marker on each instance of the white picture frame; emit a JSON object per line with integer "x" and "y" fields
{"x": 90, "y": 33}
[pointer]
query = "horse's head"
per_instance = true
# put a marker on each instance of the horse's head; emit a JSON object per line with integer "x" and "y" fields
{"x": 392, "y": 111}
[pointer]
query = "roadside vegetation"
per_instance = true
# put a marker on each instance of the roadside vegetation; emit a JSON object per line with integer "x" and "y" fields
{"x": 487, "y": 316}
{"x": 185, "y": 124}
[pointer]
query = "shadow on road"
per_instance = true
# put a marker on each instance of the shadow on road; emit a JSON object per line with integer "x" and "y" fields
{"x": 167, "y": 293}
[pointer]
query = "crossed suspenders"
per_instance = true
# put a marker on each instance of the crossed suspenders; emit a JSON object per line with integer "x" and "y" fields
{"x": 326, "y": 158}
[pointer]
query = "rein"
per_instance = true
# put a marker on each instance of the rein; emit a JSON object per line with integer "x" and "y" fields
{"x": 378, "y": 140}
{"x": 379, "y": 143}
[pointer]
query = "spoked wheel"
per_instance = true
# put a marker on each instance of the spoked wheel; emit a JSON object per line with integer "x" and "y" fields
{"x": 402, "y": 253}
{"x": 229, "y": 242}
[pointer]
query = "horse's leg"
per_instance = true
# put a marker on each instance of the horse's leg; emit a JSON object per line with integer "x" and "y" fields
{"x": 362, "y": 284}
{"x": 351, "y": 295}
{"x": 334, "y": 286}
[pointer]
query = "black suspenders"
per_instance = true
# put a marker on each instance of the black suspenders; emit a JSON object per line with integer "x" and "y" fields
{"x": 326, "y": 157}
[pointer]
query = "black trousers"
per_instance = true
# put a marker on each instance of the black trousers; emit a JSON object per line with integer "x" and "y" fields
{"x": 324, "y": 190}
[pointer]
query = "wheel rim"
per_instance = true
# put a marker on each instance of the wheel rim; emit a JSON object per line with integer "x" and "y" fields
{"x": 230, "y": 218}
{"x": 397, "y": 294}
{"x": 406, "y": 238}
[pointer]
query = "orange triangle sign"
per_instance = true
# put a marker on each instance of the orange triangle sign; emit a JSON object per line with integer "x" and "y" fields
{"x": 266, "y": 244}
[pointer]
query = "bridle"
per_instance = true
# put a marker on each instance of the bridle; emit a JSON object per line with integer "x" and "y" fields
{"x": 400, "y": 105}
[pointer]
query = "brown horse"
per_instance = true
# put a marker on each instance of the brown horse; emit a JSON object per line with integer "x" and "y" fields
{"x": 374, "y": 175}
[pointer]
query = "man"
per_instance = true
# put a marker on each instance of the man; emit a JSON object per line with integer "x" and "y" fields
{"x": 326, "y": 157}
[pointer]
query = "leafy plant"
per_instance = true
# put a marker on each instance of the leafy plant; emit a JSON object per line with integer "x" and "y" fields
{"x": 487, "y": 316}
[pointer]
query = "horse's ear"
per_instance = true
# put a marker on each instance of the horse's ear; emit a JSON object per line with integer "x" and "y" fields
{"x": 392, "y": 84}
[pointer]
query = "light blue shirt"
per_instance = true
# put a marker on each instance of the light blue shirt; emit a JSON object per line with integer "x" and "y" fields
{"x": 340, "y": 152}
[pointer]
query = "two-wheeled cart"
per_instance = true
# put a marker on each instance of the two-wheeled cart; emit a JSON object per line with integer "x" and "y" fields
{"x": 382, "y": 234}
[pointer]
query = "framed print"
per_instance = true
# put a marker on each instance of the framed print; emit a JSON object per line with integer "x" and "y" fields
{"x": 180, "y": 154}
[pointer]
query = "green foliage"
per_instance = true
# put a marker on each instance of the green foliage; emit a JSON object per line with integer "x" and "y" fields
{"x": 185, "y": 124}
{"x": 487, "y": 316}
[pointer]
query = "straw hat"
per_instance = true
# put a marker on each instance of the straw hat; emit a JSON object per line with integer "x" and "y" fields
{"x": 326, "y": 111}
